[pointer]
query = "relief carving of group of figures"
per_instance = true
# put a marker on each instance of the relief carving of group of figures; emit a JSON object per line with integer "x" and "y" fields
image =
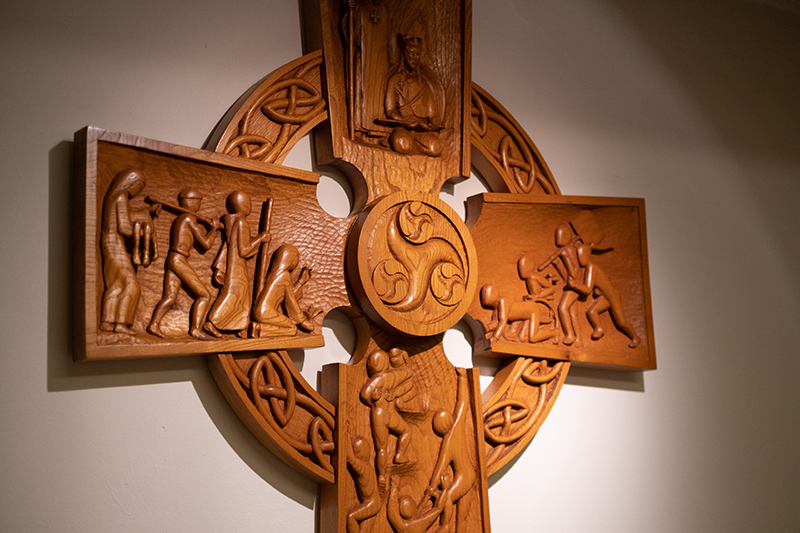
{"x": 128, "y": 241}
{"x": 392, "y": 397}
{"x": 577, "y": 277}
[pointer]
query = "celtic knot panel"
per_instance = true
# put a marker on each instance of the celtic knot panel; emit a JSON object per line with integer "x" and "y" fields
{"x": 282, "y": 109}
{"x": 515, "y": 412}
{"x": 501, "y": 147}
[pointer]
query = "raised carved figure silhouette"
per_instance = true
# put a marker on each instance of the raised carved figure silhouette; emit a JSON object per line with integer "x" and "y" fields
{"x": 184, "y": 234}
{"x": 506, "y": 312}
{"x": 607, "y": 297}
{"x": 366, "y": 485}
{"x": 454, "y": 474}
{"x": 276, "y": 309}
{"x": 415, "y": 102}
{"x": 405, "y": 516}
{"x": 389, "y": 388}
{"x": 565, "y": 259}
{"x": 120, "y": 222}
{"x": 231, "y": 309}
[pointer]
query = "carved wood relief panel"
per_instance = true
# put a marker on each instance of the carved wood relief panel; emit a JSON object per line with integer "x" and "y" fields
{"x": 563, "y": 277}
{"x": 190, "y": 252}
{"x": 411, "y": 455}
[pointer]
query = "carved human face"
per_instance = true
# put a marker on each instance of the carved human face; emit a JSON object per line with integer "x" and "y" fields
{"x": 525, "y": 266}
{"x": 407, "y": 507}
{"x": 442, "y": 423}
{"x": 412, "y": 57}
{"x": 490, "y": 296}
{"x": 377, "y": 362}
{"x": 288, "y": 257}
{"x": 137, "y": 187}
{"x": 361, "y": 449}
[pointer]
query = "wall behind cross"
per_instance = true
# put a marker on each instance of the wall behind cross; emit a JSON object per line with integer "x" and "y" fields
{"x": 691, "y": 105}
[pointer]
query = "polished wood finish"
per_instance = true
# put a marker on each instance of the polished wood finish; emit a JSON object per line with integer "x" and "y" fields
{"x": 412, "y": 264}
{"x": 171, "y": 286}
{"x": 502, "y": 152}
{"x": 281, "y": 409}
{"x": 516, "y": 404}
{"x": 562, "y": 277}
{"x": 399, "y": 439}
{"x": 398, "y": 88}
{"x": 411, "y": 453}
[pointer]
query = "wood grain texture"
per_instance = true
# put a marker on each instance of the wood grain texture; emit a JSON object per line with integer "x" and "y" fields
{"x": 516, "y": 405}
{"x": 526, "y": 278}
{"x": 504, "y": 381}
{"x": 274, "y": 114}
{"x": 402, "y": 441}
{"x": 366, "y": 47}
{"x": 167, "y": 170}
{"x": 410, "y": 455}
{"x": 502, "y": 152}
{"x": 281, "y": 409}
{"x": 412, "y": 264}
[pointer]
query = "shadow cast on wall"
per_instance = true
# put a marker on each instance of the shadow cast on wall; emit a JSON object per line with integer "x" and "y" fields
{"x": 65, "y": 375}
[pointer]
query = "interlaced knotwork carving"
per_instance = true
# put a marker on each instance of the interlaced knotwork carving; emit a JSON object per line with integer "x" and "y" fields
{"x": 509, "y": 420}
{"x": 273, "y": 389}
{"x": 515, "y": 156}
{"x": 278, "y": 111}
{"x": 268, "y": 124}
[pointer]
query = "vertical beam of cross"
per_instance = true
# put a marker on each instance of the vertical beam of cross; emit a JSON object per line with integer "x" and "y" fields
{"x": 410, "y": 451}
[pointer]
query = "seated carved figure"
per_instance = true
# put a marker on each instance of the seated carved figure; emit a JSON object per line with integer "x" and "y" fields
{"x": 414, "y": 103}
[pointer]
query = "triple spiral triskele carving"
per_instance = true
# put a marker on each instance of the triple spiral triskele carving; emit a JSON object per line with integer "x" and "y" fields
{"x": 421, "y": 263}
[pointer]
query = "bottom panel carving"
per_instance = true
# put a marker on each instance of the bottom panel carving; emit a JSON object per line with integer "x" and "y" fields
{"x": 410, "y": 456}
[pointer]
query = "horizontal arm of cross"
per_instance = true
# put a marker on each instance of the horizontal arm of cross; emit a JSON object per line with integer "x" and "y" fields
{"x": 128, "y": 277}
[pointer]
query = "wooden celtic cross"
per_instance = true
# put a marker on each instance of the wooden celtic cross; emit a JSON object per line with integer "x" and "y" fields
{"x": 227, "y": 253}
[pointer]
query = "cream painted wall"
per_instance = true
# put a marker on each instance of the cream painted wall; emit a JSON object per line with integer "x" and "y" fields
{"x": 691, "y": 105}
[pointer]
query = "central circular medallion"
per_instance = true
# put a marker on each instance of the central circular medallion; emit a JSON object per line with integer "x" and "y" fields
{"x": 416, "y": 267}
